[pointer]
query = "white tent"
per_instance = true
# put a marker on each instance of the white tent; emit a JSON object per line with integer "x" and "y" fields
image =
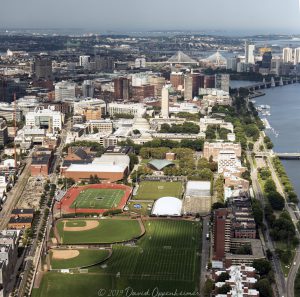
{"x": 167, "y": 206}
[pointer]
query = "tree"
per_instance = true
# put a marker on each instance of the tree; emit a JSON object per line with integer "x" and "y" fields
{"x": 264, "y": 288}
{"x": 257, "y": 212}
{"x": 217, "y": 205}
{"x": 224, "y": 289}
{"x": 223, "y": 277}
{"x": 270, "y": 186}
{"x": 208, "y": 287}
{"x": 262, "y": 266}
{"x": 95, "y": 130}
{"x": 276, "y": 200}
{"x": 133, "y": 160}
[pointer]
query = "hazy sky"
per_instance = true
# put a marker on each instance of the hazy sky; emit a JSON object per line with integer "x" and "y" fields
{"x": 265, "y": 15}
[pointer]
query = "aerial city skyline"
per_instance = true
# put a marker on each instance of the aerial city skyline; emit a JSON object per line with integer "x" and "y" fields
{"x": 150, "y": 148}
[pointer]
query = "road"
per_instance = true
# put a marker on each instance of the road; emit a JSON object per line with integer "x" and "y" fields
{"x": 35, "y": 250}
{"x": 14, "y": 195}
{"x": 290, "y": 281}
{"x": 205, "y": 252}
{"x": 279, "y": 277}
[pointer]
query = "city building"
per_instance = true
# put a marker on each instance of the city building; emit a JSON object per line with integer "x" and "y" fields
{"x": 297, "y": 56}
{"x": 139, "y": 93}
{"x": 135, "y": 109}
{"x": 214, "y": 149}
{"x": 177, "y": 80}
{"x": 165, "y": 102}
{"x": 249, "y": 53}
{"x": 65, "y": 90}
{"x": 222, "y": 82}
{"x": 140, "y": 63}
{"x": 266, "y": 60}
{"x": 88, "y": 89}
{"x": 121, "y": 88}
{"x": 42, "y": 68}
{"x": 3, "y": 132}
{"x": 158, "y": 82}
{"x": 197, "y": 198}
{"x": 287, "y": 55}
{"x": 232, "y": 63}
{"x": 46, "y": 118}
{"x": 84, "y": 61}
{"x": 41, "y": 162}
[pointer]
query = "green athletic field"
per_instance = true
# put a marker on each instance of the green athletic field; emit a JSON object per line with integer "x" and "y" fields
{"x": 98, "y": 199}
{"x": 151, "y": 190}
{"x": 166, "y": 257}
{"x": 85, "y": 258}
{"x": 108, "y": 231}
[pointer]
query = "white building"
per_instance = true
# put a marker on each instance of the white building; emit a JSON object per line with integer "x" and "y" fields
{"x": 297, "y": 56}
{"x": 81, "y": 105}
{"x": 165, "y": 102}
{"x": 135, "y": 109}
{"x": 167, "y": 206}
{"x": 46, "y": 118}
{"x": 140, "y": 79}
{"x": 84, "y": 61}
{"x": 65, "y": 90}
{"x": 249, "y": 53}
{"x": 228, "y": 160}
{"x": 287, "y": 55}
{"x": 140, "y": 63}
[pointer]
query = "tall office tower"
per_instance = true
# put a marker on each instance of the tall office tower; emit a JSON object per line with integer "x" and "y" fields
{"x": 65, "y": 90}
{"x": 287, "y": 55}
{"x": 249, "y": 53}
{"x": 121, "y": 88}
{"x": 165, "y": 102}
{"x": 88, "y": 89}
{"x": 222, "y": 82}
{"x": 221, "y": 233}
{"x": 158, "y": 82}
{"x": 177, "y": 79}
{"x": 3, "y": 132}
{"x": 42, "y": 68}
{"x": 188, "y": 87}
{"x": 209, "y": 81}
{"x": 84, "y": 61}
{"x": 232, "y": 63}
{"x": 104, "y": 63}
{"x": 266, "y": 60}
{"x": 297, "y": 56}
{"x": 192, "y": 83}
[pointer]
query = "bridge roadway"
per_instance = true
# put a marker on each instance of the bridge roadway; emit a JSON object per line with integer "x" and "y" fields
{"x": 268, "y": 84}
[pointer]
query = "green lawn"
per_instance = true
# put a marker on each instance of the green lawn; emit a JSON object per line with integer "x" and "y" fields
{"x": 151, "y": 190}
{"x": 85, "y": 258}
{"x": 141, "y": 211}
{"x": 108, "y": 231}
{"x": 167, "y": 258}
{"x": 98, "y": 199}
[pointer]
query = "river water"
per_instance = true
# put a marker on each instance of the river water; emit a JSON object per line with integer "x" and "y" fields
{"x": 285, "y": 121}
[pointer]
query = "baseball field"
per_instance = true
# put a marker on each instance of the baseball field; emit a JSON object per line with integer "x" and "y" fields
{"x": 90, "y": 231}
{"x": 74, "y": 258}
{"x": 152, "y": 190}
{"x": 165, "y": 259}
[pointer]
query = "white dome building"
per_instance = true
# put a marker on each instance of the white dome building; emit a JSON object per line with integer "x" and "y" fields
{"x": 167, "y": 206}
